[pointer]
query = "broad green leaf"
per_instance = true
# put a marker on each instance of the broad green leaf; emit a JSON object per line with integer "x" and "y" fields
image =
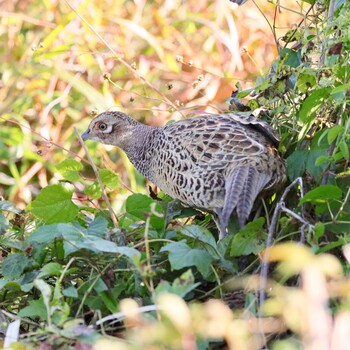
{"x": 181, "y": 256}
{"x": 36, "y": 308}
{"x": 9, "y": 206}
{"x": 181, "y": 286}
{"x": 322, "y": 194}
{"x": 109, "y": 178}
{"x": 296, "y": 164}
{"x": 138, "y": 205}
{"x": 48, "y": 233}
{"x": 249, "y": 239}
{"x": 244, "y": 93}
{"x": 94, "y": 191}
{"x": 11, "y": 135}
{"x": 13, "y": 265}
{"x": 334, "y": 132}
{"x": 198, "y": 233}
{"x": 311, "y": 167}
{"x": 51, "y": 269}
{"x": 4, "y": 224}
{"x": 341, "y": 88}
{"x": 306, "y": 80}
{"x": 45, "y": 291}
{"x": 319, "y": 230}
{"x": 312, "y": 104}
{"x": 69, "y": 169}
{"x": 344, "y": 149}
{"x": 290, "y": 57}
{"x": 54, "y": 204}
{"x": 98, "y": 227}
{"x": 99, "y": 245}
{"x": 109, "y": 301}
{"x": 70, "y": 292}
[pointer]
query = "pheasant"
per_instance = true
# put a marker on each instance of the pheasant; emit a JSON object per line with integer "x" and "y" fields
{"x": 216, "y": 162}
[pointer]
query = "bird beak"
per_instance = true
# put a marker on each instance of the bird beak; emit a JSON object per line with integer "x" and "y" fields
{"x": 86, "y": 135}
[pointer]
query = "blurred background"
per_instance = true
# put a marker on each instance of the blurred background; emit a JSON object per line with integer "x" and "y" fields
{"x": 63, "y": 61}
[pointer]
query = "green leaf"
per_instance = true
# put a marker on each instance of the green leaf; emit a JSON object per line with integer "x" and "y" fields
{"x": 322, "y": 194}
{"x": 109, "y": 178}
{"x": 247, "y": 241}
{"x": 69, "y": 169}
{"x": 70, "y": 292}
{"x": 296, "y": 164}
{"x": 344, "y": 149}
{"x": 98, "y": 245}
{"x": 13, "y": 265}
{"x": 36, "y": 308}
{"x": 54, "y": 204}
{"x": 94, "y": 191}
{"x": 341, "y": 88}
{"x": 312, "y": 104}
{"x": 333, "y": 133}
{"x": 45, "y": 290}
{"x": 201, "y": 235}
{"x": 306, "y": 80}
{"x": 181, "y": 286}
{"x": 319, "y": 230}
{"x": 4, "y": 224}
{"x": 98, "y": 227}
{"x": 48, "y": 233}
{"x": 315, "y": 170}
{"x": 51, "y": 269}
{"x": 290, "y": 57}
{"x": 137, "y": 205}
{"x": 181, "y": 256}
{"x": 9, "y": 206}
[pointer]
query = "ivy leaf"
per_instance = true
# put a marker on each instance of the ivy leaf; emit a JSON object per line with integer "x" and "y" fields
{"x": 54, "y": 204}
{"x": 181, "y": 255}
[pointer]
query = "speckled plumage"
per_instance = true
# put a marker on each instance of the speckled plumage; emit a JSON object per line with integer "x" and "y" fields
{"x": 218, "y": 163}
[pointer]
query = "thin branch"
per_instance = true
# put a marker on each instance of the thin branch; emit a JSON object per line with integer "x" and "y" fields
{"x": 330, "y": 16}
{"x": 269, "y": 24}
{"x": 298, "y": 26}
{"x": 121, "y": 60}
{"x": 104, "y": 194}
{"x": 265, "y": 260}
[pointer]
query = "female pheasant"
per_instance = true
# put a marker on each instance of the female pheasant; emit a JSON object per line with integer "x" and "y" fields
{"x": 218, "y": 163}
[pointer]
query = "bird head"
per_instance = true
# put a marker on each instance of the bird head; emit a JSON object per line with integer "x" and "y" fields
{"x": 111, "y": 128}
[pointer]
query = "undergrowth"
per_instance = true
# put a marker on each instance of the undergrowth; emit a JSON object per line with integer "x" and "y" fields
{"x": 90, "y": 258}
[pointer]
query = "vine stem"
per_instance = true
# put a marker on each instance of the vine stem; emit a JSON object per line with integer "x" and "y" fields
{"x": 94, "y": 168}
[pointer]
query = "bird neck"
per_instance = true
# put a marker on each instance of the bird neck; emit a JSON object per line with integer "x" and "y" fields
{"x": 137, "y": 146}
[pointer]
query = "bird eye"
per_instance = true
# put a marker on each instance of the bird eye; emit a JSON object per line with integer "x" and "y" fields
{"x": 102, "y": 126}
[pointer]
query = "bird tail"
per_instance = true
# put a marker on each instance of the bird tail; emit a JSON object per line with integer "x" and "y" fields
{"x": 242, "y": 187}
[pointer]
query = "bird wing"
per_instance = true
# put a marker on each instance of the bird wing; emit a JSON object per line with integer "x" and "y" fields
{"x": 213, "y": 141}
